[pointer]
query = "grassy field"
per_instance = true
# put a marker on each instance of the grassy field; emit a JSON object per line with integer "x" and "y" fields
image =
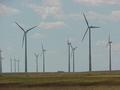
{"x": 61, "y": 81}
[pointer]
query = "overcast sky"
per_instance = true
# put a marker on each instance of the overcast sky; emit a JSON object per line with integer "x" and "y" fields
{"x": 60, "y": 20}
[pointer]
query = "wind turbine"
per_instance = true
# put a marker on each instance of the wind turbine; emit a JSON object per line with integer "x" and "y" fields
{"x": 1, "y": 61}
{"x": 36, "y": 55}
{"x": 110, "y": 46}
{"x": 15, "y": 64}
{"x": 69, "y": 45}
{"x": 25, "y": 41}
{"x": 89, "y": 30}
{"x": 43, "y": 55}
{"x": 18, "y": 65}
{"x": 73, "y": 55}
{"x": 11, "y": 64}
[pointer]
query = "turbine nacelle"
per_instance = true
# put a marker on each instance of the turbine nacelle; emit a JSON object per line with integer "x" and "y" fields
{"x": 73, "y": 48}
{"x": 68, "y": 42}
{"x": 36, "y": 55}
{"x": 109, "y": 41}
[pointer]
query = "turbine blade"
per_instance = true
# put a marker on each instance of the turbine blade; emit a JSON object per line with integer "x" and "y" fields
{"x": 71, "y": 46}
{"x": 76, "y": 48}
{"x": 31, "y": 28}
{"x": 94, "y": 27}
{"x": 85, "y": 34}
{"x": 35, "y": 54}
{"x": 107, "y": 44}
{"x": 109, "y": 38}
{"x": 42, "y": 47}
{"x": 23, "y": 40}
{"x": 71, "y": 54}
{"x": 86, "y": 20}
{"x": 68, "y": 41}
{"x": 20, "y": 27}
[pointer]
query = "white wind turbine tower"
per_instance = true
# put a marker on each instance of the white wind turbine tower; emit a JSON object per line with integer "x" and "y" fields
{"x": 89, "y": 28}
{"x": 1, "y": 61}
{"x": 25, "y": 41}
{"x": 73, "y": 56}
{"x": 11, "y": 65}
{"x": 69, "y": 45}
{"x": 15, "y": 69}
{"x": 110, "y": 46}
{"x": 36, "y": 55}
{"x": 43, "y": 55}
{"x": 18, "y": 65}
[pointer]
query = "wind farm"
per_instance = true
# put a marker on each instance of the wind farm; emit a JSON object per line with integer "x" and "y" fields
{"x": 73, "y": 55}
{"x": 79, "y": 84}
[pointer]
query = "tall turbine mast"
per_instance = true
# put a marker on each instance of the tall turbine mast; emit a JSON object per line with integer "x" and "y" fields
{"x": 1, "y": 61}
{"x": 11, "y": 64}
{"x": 89, "y": 30}
{"x": 25, "y": 41}
{"x": 73, "y": 55}
{"x": 110, "y": 46}
{"x": 36, "y": 55}
{"x": 43, "y": 53}
{"x": 15, "y": 64}
{"x": 69, "y": 45}
{"x": 18, "y": 65}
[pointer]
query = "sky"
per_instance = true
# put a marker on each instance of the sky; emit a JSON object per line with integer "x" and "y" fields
{"x": 58, "y": 21}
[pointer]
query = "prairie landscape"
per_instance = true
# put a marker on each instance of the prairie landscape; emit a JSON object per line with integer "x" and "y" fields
{"x": 61, "y": 81}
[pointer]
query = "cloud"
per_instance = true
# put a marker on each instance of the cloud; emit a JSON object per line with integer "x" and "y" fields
{"x": 5, "y": 10}
{"x": 37, "y": 36}
{"x": 113, "y": 16}
{"x": 97, "y": 2}
{"x": 48, "y": 8}
{"x": 100, "y": 17}
{"x": 101, "y": 43}
{"x": 51, "y": 25}
{"x": 116, "y": 47}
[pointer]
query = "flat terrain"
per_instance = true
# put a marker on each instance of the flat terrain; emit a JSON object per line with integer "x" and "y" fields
{"x": 61, "y": 81}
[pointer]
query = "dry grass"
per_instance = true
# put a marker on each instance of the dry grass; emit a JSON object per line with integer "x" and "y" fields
{"x": 67, "y": 88}
{"x": 61, "y": 81}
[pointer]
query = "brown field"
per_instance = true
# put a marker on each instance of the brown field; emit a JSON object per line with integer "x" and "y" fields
{"x": 61, "y": 81}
